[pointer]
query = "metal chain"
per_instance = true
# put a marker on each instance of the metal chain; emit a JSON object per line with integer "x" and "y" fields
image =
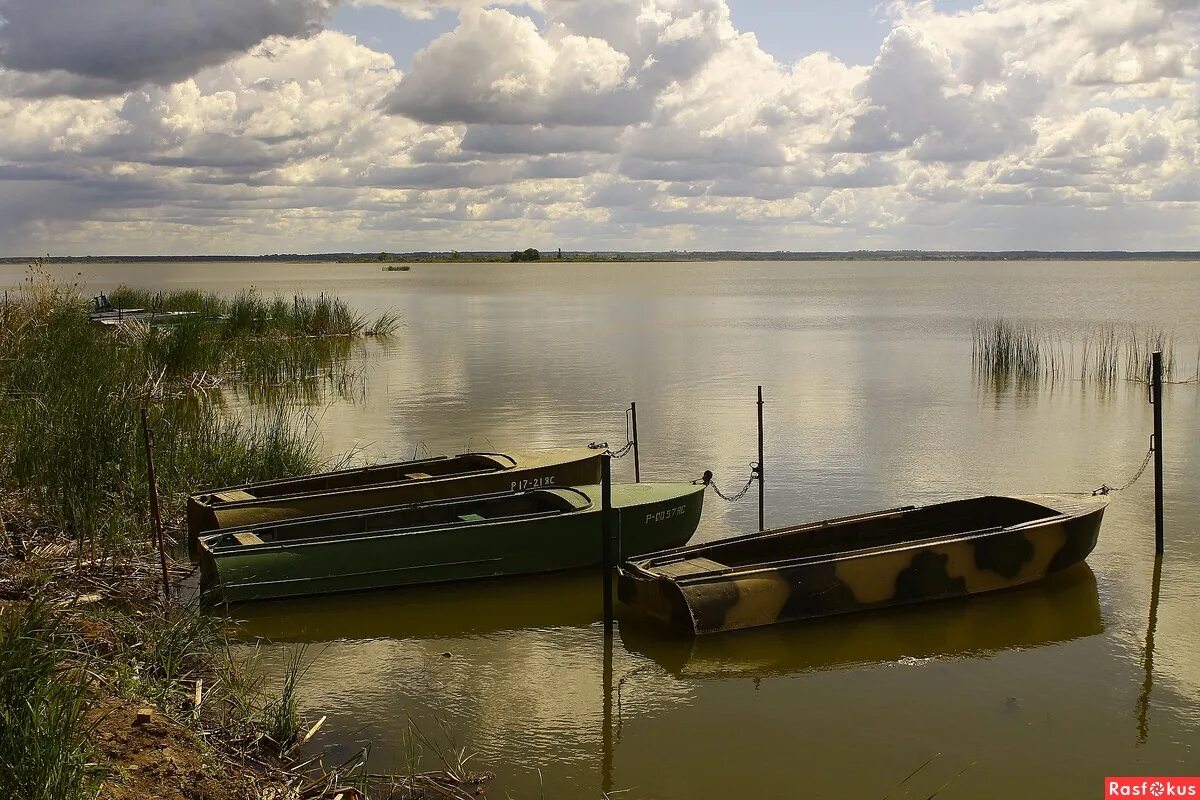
{"x": 609, "y": 451}
{"x": 624, "y": 451}
{"x": 1104, "y": 488}
{"x": 742, "y": 492}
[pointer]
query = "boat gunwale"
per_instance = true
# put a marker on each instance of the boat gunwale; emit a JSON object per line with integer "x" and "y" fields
{"x": 670, "y": 556}
{"x": 644, "y": 567}
{"x": 204, "y": 498}
{"x": 299, "y": 521}
{"x": 265, "y": 547}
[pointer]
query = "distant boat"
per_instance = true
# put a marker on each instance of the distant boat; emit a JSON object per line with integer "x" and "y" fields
{"x": 434, "y": 478}
{"x": 501, "y": 534}
{"x": 117, "y": 316}
{"x": 903, "y": 555}
{"x": 105, "y": 313}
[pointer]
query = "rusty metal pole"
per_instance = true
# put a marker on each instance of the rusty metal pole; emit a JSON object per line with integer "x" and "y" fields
{"x": 155, "y": 519}
{"x": 1156, "y": 399}
{"x": 637, "y": 463}
{"x": 607, "y": 519}
{"x": 761, "y": 522}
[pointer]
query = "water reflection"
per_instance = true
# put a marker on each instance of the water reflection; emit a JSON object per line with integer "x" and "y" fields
{"x": 870, "y": 404}
{"x": 1059, "y": 609}
{"x": 480, "y": 608}
{"x": 1143, "y": 701}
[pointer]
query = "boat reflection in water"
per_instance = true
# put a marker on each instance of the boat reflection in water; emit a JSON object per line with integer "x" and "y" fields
{"x": 1057, "y": 609}
{"x": 476, "y": 608}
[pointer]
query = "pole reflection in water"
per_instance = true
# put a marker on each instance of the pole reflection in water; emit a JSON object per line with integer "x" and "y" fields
{"x": 606, "y": 733}
{"x": 1143, "y": 701}
{"x": 1058, "y": 609}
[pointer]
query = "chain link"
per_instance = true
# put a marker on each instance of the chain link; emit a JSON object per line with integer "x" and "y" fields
{"x": 741, "y": 492}
{"x": 1104, "y": 488}
{"x": 624, "y": 451}
{"x": 608, "y": 451}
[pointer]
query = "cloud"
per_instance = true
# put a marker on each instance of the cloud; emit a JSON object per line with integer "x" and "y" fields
{"x": 613, "y": 123}
{"x": 120, "y": 44}
{"x": 914, "y": 99}
{"x": 496, "y": 67}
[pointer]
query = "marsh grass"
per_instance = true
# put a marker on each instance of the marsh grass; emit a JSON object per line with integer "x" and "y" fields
{"x": 72, "y": 393}
{"x": 44, "y": 750}
{"x": 281, "y": 713}
{"x": 73, "y": 522}
{"x": 1007, "y": 352}
{"x": 250, "y": 314}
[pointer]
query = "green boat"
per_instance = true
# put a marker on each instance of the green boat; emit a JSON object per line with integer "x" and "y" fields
{"x": 487, "y": 536}
{"x": 348, "y": 490}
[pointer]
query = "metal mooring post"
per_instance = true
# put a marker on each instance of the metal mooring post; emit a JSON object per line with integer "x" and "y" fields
{"x": 1156, "y": 399}
{"x": 637, "y": 464}
{"x": 761, "y": 524}
{"x": 155, "y": 519}
{"x": 607, "y": 526}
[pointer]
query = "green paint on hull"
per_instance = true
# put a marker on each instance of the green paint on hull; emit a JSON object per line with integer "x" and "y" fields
{"x": 465, "y": 539}
{"x": 424, "y": 480}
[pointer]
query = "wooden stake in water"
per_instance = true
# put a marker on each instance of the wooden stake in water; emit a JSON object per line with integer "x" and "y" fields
{"x": 155, "y": 519}
{"x": 761, "y": 521}
{"x": 607, "y": 527}
{"x": 637, "y": 464}
{"x": 1156, "y": 399}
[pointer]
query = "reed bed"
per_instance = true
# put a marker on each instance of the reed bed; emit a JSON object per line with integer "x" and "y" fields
{"x": 86, "y": 637}
{"x": 250, "y": 314}
{"x": 1005, "y": 351}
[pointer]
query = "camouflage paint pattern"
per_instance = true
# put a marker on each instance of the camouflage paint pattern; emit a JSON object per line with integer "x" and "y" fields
{"x": 1062, "y": 607}
{"x": 722, "y": 599}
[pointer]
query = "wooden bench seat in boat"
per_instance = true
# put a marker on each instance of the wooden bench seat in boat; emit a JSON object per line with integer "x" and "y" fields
{"x": 690, "y": 568}
{"x": 233, "y": 496}
{"x": 247, "y": 538}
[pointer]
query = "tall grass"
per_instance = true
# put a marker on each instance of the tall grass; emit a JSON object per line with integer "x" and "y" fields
{"x": 1004, "y": 350}
{"x": 44, "y": 751}
{"x": 71, "y": 433}
{"x": 71, "y": 394}
{"x": 248, "y": 313}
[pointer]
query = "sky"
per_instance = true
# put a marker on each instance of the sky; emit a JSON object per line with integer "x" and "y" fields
{"x": 279, "y": 126}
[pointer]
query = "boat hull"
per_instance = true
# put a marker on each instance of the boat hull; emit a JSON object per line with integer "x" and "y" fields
{"x": 850, "y": 581}
{"x": 652, "y": 517}
{"x": 530, "y": 469}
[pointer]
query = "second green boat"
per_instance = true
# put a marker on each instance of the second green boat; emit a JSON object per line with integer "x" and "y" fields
{"x": 508, "y": 533}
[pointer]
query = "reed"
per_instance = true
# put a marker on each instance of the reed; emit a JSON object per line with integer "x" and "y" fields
{"x": 1004, "y": 351}
{"x": 44, "y": 750}
{"x": 70, "y": 427}
{"x": 281, "y": 713}
{"x": 250, "y": 314}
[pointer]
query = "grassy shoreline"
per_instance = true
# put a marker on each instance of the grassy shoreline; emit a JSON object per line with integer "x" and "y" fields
{"x": 108, "y": 689}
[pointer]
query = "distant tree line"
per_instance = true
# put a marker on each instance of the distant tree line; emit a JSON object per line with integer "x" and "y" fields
{"x": 529, "y": 254}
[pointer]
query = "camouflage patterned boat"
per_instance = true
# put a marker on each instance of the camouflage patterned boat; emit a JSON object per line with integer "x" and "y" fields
{"x": 893, "y": 557}
{"x": 435, "y": 478}
{"x": 507, "y": 533}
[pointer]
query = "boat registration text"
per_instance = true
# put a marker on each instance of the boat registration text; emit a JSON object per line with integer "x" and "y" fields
{"x": 532, "y": 483}
{"x": 678, "y": 511}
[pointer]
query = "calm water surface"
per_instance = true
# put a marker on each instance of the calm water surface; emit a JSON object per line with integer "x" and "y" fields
{"x": 871, "y": 402}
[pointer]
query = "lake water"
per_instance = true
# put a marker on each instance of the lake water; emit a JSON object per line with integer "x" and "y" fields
{"x": 870, "y": 403}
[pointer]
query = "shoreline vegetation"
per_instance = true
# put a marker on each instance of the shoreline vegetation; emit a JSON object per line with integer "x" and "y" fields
{"x": 595, "y": 256}
{"x": 108, "y": 689}
{"x": 1007, "y": 352}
